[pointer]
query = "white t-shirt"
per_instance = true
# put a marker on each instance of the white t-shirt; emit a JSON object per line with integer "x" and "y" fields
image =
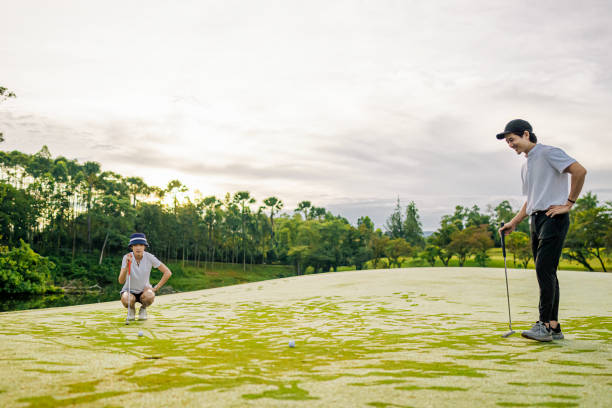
{"x": 544, "y": 182}
{"x": 139, "y": 272}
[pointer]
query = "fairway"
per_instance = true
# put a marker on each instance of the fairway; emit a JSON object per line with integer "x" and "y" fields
{"x": 423, "y": 337}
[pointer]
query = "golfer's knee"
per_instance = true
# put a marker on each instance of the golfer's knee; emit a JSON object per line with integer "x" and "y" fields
{"x": 147, "y": 297}
{"x": 125, "y": 298}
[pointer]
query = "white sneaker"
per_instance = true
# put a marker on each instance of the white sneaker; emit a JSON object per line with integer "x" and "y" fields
{"x": 131, "y": 313}
{"x": 142, "y": 313}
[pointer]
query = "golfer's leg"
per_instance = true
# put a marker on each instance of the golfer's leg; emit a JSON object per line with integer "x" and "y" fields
{"x": 563, "y": 228}
{"x": 124, "y": 299}
{"x": 535, "y": 248}
{"x": 554, "y": 318}
{"x": 549, "y": 252}
{"x": 148, "y": 297}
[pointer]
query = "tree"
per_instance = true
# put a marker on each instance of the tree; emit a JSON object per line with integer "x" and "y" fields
{"x": 397, "y": 248}
{"x": 430, "y": 253}
{"x": 395, "y": 223}
{"x": 275, "y": 205}
{"x": 472, "y": 240}
{"x": 461, "y": 245}
{"x": 358, "y": 240}
{"x": 378, "y": 244}
{"x": 317, "y": 213}
{"x": 443, "y": 237}
{"x": 586, "y": 237}
{"x": 136, "y": 187}
{"x": 17, "y": 214}
{"x": 91, "y": 171}
{"x": 504, "y": 213}
{"x": 23, "y": 271}
{"x": 297, "y": 254}
{"x": 303, "y": 206}
{"x": 608, "y": 234}
{"x": 524, "y": 255}
{"x": 482, "y": 242}
{"x": 516, "y": 242}
{"x": 115, "y": 216}
{"x": 243, "y": 199}
{"x": 212, "y": 218}
{"x": 412, "y": 228}
{"x": 4, "y": 95}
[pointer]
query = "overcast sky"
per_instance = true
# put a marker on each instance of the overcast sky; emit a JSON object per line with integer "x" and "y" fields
{"x": 348, "y": 104}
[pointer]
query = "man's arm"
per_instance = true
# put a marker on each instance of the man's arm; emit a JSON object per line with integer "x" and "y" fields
{"x": 577, "y": 176}
{"x": 167, "y": 273}
{"x": 512, "y": 224}
{"x": 123, "y": 272}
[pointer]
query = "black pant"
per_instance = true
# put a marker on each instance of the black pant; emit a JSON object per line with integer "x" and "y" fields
{"x": 547, "y": 236}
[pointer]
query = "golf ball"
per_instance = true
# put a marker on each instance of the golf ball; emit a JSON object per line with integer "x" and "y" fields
{"x": 291, "y": 343}
{"x": 140, "y": 333}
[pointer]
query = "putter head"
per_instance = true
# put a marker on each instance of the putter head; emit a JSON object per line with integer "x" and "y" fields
{"x": 510, "y": 333}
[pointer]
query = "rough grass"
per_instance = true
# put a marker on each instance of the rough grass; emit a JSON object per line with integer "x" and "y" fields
{"x": 189, "y": 277}
{"x": 387, "y": 338}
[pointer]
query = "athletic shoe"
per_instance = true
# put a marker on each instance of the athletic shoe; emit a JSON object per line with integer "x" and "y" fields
{"x": 142, "y": 313}
{"x": 131, "y": 313}
{"x": 538, "y": 332}
{"x": 557, "y": 334}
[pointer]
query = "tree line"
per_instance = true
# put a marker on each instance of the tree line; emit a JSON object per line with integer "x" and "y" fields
{"x": 60, "y": 207}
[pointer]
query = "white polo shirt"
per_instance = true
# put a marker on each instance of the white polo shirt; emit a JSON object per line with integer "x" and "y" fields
{"x": 544, "y": 182}
{"x": 139, "y": 272}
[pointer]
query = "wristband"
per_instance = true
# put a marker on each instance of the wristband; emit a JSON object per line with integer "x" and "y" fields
{"x": 571, "y": 201}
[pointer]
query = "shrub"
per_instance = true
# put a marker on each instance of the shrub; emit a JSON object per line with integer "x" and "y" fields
{"x": 23, "y": 271}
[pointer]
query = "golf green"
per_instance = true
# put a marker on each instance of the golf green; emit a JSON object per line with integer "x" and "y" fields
{"x": 426, "y": 337}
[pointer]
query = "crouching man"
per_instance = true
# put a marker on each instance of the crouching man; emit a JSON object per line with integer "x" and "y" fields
{"x": 140, "y": 264}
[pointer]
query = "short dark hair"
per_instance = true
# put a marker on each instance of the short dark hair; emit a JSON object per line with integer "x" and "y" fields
{"x": 532, "y": 137}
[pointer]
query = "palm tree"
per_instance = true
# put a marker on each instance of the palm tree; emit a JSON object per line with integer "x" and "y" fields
{"x": 243, "y": 198}
{"x": 303, "y": 206}
{"x": 90, "y": 171}
{"x": 275, "y": 205}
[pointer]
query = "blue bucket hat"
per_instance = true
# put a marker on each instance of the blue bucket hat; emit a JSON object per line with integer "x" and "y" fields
{"x": 138, "y": 238}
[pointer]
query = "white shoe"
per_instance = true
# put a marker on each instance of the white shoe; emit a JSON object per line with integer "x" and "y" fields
{"x": 142, "y": 313}
{"x": 131, "y": 313}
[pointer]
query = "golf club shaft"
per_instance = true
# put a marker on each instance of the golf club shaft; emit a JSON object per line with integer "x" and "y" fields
{"x": 503, "y": 242}
{"x": 127, "y": 318}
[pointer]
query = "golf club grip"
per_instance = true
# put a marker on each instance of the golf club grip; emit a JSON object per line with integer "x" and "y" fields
{"x": 503, "y": 241}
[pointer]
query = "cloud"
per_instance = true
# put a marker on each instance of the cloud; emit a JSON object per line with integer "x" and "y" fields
{"x": 348, "y": 105}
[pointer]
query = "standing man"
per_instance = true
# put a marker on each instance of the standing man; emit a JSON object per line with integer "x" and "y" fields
{"x": 545, "y": 183}
{"x": 140, "y": 271}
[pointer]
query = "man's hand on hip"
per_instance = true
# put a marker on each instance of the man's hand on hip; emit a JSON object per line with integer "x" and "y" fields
{"x": 557, "y": 209}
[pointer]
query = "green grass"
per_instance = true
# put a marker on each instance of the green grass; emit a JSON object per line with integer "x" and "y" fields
{"x": 190, "y": 277}
{"x": 223, "y": 274}
{"x": 496, "y": 260}
{"x": 360, "y": 341}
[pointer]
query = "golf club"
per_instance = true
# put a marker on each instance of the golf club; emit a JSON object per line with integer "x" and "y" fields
{"x": 503, "y": 239}
{"x": 127, "y": 318}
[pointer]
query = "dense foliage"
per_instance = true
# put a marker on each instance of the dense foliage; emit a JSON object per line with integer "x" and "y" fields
{"x": 24, "y": 271}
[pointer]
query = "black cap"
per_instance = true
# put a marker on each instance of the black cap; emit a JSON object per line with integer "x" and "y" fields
{"x": 516, "y": 126}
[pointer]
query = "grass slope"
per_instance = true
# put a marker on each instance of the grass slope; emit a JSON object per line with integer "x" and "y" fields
{"x": 386, "y": 338}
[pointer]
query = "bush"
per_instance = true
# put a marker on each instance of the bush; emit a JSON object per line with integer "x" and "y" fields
{"x": 23, "y": 271}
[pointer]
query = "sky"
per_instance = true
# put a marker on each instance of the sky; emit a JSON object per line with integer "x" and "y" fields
{"x": 347, "y": 104}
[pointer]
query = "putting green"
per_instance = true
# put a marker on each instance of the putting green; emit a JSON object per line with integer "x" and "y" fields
{"x": 384, "y": 338}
